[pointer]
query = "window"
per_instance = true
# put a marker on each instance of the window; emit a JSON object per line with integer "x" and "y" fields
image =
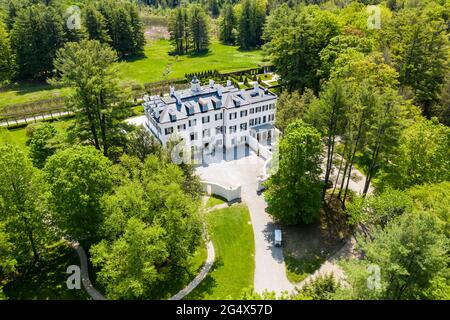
{"x": 258, "y": 109}
{"x": 181, "y": 127}
{"x": 264, "y": 119}
{"x": 168, "y": 130}
{"x": 219, "y": 130}
{"x": 271, "y": 117}
{"x": 243, "y": 113}
{"x": 252, "y": 110}
{"x": 232, "y": 129}
{"x": 258, "y": 121}
{"x": 193, "y": 136}
{"x": 206, "y": 133}
{"x": 192, "y": 122}
{"x": 252, "y": 122}
{"x": 205, "y": 119}
{"x": 243, "y": 126}
{"x": 233, "y": 115}
{"x": 219, "y": 116}
{"x": 265, "y": 108}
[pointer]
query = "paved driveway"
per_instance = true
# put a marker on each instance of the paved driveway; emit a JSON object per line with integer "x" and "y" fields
{"x": 270, "y": 272}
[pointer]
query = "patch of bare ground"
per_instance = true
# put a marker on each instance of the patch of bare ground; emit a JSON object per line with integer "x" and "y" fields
{"x": 306, "y": 247}
{"x": 153, "y": 33}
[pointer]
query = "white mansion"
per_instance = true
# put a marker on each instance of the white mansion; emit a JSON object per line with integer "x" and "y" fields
{"x": 212, "y": 116}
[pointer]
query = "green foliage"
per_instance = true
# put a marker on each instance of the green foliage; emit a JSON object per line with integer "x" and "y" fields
{"x": 129, "y": 264}
{"x": 98, "y": 101}
{"x": 198, "y": 25}
{"x": 412, "y": 254}
{"x": 228, "y": 24}
{"x": 250, "y": 21}
{"x": 435, "y": 199}
{"x": 321, "y": 288}
{"x": 124, "y": 26}
{"x": 293, "y": 194}
{"x": 418, "y": 41}
{"x": 95, "y": 24}
{"x": 77, "y": 178}
{"x": 295, "y": 46}
{"x": 148, "y": 211}
{"x": 37, "y": 33}
{"x": 141, "y": 143}
{"x": 422, "y": 156}
{"x": 375, "y": 211}
{"x": 291, "y": 107}
{"x": 7, "y": 57}
{"x": 7, "y": 260}
{"x": 42, "y": 144}
{"x": 22, "y": 203}
{"x": 339, "y": 45}
{"x": 189, "y": 28}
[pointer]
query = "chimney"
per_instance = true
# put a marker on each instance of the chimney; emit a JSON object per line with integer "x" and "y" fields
{"x": 172, "y": 90}
{"x": 219, "y": 90}
{"x": 195, "y": 85}
{"x": 211, "y": 83}
{"x": 228, "y": 83}
{"x": 256, "y": 88}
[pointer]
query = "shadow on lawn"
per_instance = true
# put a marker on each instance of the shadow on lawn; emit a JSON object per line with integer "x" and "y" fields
{"x": 48, "y": 280}
{"x": 206, "y": 287}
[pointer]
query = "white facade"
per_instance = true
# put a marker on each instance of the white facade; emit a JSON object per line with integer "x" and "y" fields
{"x": 213, "y": 116}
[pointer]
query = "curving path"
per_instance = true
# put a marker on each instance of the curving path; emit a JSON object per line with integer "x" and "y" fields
{"x": 93, "y": 293}
{"x": 199, "y": 278}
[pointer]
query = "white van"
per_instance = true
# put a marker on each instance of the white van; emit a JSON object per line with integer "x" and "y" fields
{"x": 278, "y": 238}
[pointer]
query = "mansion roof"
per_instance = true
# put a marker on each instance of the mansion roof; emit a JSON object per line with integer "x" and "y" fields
{"x": 182, "y": 104}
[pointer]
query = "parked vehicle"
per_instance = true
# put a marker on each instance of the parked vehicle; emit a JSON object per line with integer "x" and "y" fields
{"x": 278, "y": 238}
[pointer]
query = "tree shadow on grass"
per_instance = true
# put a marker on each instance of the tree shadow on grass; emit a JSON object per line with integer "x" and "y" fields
{"x": 47, "y": 281}
{"x": 134, "y": 58}
{"x": 206, "y": 287}
{"x": 299, "y": 269}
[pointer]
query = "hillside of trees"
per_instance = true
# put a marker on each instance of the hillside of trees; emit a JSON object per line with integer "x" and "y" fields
{"x": 353, "y": 96}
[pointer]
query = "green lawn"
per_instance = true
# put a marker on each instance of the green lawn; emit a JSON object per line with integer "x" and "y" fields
{"x": 19, "y": 138}
{"x": 214, "y": 201}
{"x": 233, "y": 269}
{"x": 265, "y": 77}
{"x": 298, "y": 269}
{"x": 48, "y": 281}
{"x": 29, "y": 92}
{"x": 148, "y": 68}
{"x": 156, "y": 61}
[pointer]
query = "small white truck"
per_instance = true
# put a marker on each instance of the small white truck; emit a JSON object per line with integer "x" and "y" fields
{"x": 277, "y": 238}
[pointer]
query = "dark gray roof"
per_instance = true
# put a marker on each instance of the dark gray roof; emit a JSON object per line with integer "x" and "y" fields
{"x": 187, "y": 103}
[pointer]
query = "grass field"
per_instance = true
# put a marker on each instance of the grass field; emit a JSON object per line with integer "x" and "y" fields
{"x": 152, "y": 66}
{"x": 233, "y": 269}
{"x": 215, "y": 201}
{"x": 158, "y": 65}
{"x": 18, "y": 136}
